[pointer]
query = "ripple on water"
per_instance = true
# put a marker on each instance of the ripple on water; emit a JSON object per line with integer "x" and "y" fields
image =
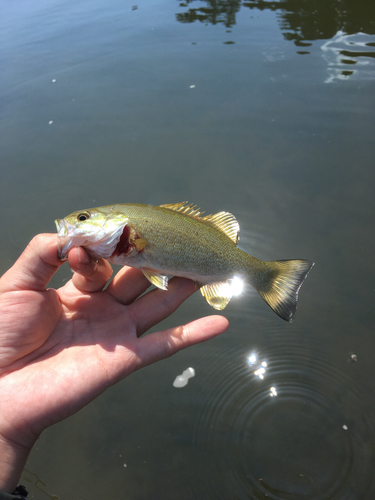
{"x": 350, "y": 55}
{"x": 287, "y": 424}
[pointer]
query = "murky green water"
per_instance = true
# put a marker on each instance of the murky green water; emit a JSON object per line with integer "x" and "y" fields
{"x": 266, "y": 110}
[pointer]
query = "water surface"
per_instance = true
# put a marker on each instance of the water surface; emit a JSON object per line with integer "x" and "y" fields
{"x": 266, "y": 110}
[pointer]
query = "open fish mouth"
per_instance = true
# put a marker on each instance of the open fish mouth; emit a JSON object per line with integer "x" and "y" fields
{"x": 68, "y": 238}
{"x": 100, "y": 239}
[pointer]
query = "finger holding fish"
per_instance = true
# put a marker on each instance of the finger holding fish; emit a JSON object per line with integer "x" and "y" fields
{"x": 128, "y": 284}
{"x": 90, "y": 275}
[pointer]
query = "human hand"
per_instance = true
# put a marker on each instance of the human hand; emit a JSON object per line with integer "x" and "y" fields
{"x": 59, "y": 349}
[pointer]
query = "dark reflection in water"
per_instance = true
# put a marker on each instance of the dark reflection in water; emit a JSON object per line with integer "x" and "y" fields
{"x": 302, "y": 22}
{"x": 213, "y": 12}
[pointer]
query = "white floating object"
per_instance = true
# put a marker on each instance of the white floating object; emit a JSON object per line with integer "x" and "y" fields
{"x": 54, "y": 80}
{"x": 345, "y": 427}
{"x": 182, "y": 380}
{"x": 50, "y": 122}
{"x": 192, "y": 86}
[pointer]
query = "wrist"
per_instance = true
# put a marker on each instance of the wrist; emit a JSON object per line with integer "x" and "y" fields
{"x": 13, "y": 458}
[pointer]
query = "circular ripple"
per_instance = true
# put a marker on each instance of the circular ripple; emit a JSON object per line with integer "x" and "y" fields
{"x": 303, "y": 431}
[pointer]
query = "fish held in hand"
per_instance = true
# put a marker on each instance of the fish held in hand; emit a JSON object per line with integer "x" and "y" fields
{"x": 178, "y": 240}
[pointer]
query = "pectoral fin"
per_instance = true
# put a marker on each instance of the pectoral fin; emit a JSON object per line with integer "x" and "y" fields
{"x": 140, "y": 243}
{"x": 217, "y": 295}
{"x": 157, "y": 279}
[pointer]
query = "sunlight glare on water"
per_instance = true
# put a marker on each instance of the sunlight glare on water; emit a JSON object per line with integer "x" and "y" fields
{"x": 263, "y": 109}
{"x": 236, "y": 286}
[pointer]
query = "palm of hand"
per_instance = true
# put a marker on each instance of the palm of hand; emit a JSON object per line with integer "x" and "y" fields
{"x": 62, "y": 344}
{"x": 59, "y": 349}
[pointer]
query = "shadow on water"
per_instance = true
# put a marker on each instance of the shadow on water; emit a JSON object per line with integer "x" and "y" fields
{"x": 348, "y": 24}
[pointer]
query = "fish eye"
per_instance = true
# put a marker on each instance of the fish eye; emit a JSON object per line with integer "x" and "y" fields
{"x": 83, "y": 216}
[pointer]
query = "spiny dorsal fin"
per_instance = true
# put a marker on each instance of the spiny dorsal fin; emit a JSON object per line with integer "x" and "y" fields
{"x": 217, "y": 294}
{"x": 224, "y": 221}
{"x": 184, "y": 208}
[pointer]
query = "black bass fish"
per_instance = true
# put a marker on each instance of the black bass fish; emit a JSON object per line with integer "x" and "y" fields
{"x": 178, "y": 240}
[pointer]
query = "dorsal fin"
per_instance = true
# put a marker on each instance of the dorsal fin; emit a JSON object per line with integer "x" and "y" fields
{"x": 224, "y": 221}
{"x": 227, "y": 223}
{"x": 184, "y": 208}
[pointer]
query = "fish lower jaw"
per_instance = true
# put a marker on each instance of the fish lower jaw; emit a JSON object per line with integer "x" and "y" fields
{"x": 63, "y": 248}
{"x": 99, "y": 244}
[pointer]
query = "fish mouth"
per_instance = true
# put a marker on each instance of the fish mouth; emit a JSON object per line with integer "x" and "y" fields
{"x": 66, "y": 241}
{"x": 100, "y": 240}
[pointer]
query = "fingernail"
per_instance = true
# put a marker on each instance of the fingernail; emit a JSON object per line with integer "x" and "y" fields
{"x": 83, "y": 256}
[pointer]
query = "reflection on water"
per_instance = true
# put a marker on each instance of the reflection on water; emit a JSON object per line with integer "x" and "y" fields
{"x": 347, "y": 25}
{"x": 300, "y": 20}
{"x": 260, "y": 366}
{"x": 348, "y": 55}
{"x": 213, "y": 12}
{"x": 140, "y": 114}
{"x": 292, "y": 402}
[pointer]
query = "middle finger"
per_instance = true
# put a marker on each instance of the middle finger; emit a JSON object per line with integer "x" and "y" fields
{"x": 89, "y": 275}
{"x": 128, "y": 284}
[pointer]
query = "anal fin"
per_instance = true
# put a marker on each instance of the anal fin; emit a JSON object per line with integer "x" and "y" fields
{"x": 217, "y": 295}
{"x": 157, "y": 279}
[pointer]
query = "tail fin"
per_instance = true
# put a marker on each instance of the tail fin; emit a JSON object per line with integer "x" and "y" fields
{"x": 280, "y": 290}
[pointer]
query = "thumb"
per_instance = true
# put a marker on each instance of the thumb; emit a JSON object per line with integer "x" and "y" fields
{"x": 35, "y": 267}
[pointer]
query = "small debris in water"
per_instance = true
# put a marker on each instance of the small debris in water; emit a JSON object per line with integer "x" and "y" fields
{"x": 353, "y": 358}
{"x": 54, "y": 80}
{"x": 50, "y": 122}
{"x": 345, "y": 427}
{"x": 182, "y": 380}
{"x": 192, "y": 86}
